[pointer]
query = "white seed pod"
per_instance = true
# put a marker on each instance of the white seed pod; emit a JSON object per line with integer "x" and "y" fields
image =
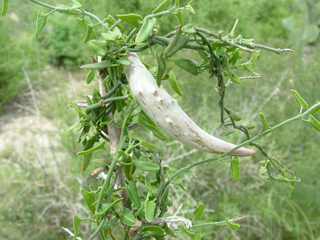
{"x": 167, "y": 114}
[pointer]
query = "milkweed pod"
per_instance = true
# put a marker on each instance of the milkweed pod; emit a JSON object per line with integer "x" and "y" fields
{"x": 167, "y": 114}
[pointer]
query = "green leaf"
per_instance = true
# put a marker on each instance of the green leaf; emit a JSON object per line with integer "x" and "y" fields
{"x": 149, "y": 209}
{"x": 161, "y": 68}
{"x": 99, "y": 65}
{"x": 148, "y": 145}
{"x": 316, "y": 110}
{"x": 145, "y": 165}
{"x": 112, "y": 21}
{"x": 233, "y": 226}
{"x": 90, "y": 76}
{"x": 180, "y": 18}
{"x": 181, "y": 186}
{"x": 235, "y": 168}
{"x": 98, "y": 147}
{"x": 152, "y": 230}
{"x": 197, "y": 214}
{"x": 163, "y": 6}
{"x": 233, "y": 115}
{"x": 82, "y": 24}
{"x": 76, "y": 224}
{"x": 85, "y": 161}
{"x": 110, "y": 223}
{"x": 90, "y": 33}
{"x": 76, "y": 107}
{"x": 127, "y": 218}
{"x": 189, "y": 233}
{"x": 129, "y": 169}
{"x": 198, "y": 234}
{"x": 188, "y": 65}
{"x": 132, "y": 18}
{"x": 147, "y": 183}
{"x": 281, "y": 178}
{"x": 235, "y": 57}
{"x": 263, "y": 120}
{"x": 146, "y": 29}
{"x": 75, "y": 5}
{"x": 169, "y": 231}
{"x": 164, "y": 197}
{"x": 133, "y": 194}
{"x": 189, "y": 29}
{"x": 178, "y": 42}
{"x": 98, "y": 47}
{"x": 89, "y": 198}
{"x": 124, "y": 60}
{"x": 314, "y": 122}
{"x": 112, "y": 35}
{"x": 299, "y": 99}
{"x": 254, "y": 56}
{"x": 41, "y": 22}
{"x": 106, "y": 206}
{"x": 74, "y": 126}
{"x": 5, "y": 5}
{"x": 152, "y": 128}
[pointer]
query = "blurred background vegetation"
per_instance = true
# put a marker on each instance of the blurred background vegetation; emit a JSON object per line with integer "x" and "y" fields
{"x": 40, "y": 175}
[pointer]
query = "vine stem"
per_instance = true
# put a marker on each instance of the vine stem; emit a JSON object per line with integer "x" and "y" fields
{"x": 298, "y": 117}
{"x": 67, "y": 9}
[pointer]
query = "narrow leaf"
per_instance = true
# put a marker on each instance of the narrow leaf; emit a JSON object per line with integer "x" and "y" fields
{"x": 163, "y": 6}
{"x": 106, "y": 206}
{"x": 110, "y": 223}
{"x": 76, "y": 107}
{"x": 233, "y": 226}
{"x": 149, "y": 209}
{"x": 76, "y": 224}
{"x": 235, "y": 168}
{"x": 316, "y": 110}
{"x": 98, "y": 47}
{"x": 41, "y": 22}
{"x": 314, "y": 122}
{"x": 145, "y": 165}
{"x": 133, "y": 194}
{"x": 180, "y": 18}
{"x": 169, "y": 231}
{"x": 5, "y": 5}
{"x": 99, "y": 65}
{"x": 89, "y": 198}
{"x": 146, "y": 29}
{"x": 90, "y": 76}
{"x": 197, "y": 214}
{"x": 152, "y": 128}
{"x": 98, "y": 147}
{"x": 127, "y": 218}
{"x": 124, "y": 60}
{"x": 148, "y": 145}
{"x": 152, "y": 230}
{"x": 188, "y": 65}
{"x": 263, "y": 120}
{"x": 75, "y": 4}
{"x": 161, "y": 68}
{"x": 164, "y": 197}
{"x": 74, "y": 126}
{"x": 132, "y": 18}
{"x": 299, "y": 99}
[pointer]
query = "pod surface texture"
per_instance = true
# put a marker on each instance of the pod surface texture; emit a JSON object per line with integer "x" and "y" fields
{"x": 167, "y": 114}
